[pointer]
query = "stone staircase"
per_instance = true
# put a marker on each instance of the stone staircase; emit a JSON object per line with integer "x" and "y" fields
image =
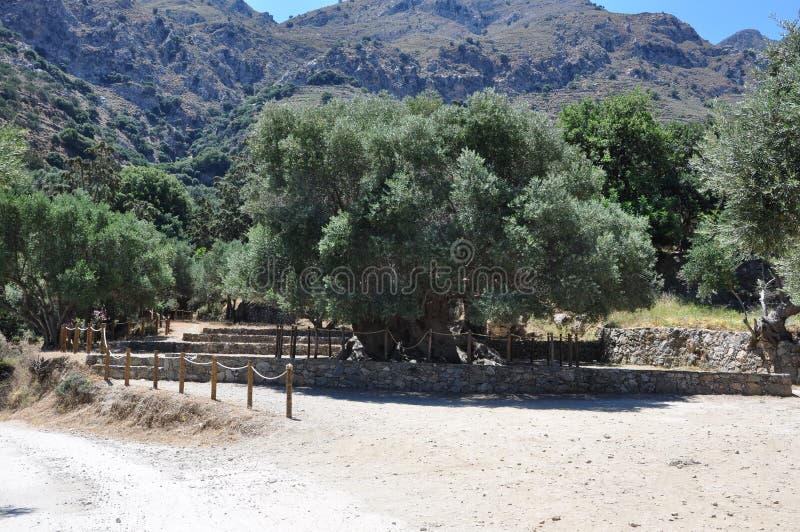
{"x": 234, "y": 347}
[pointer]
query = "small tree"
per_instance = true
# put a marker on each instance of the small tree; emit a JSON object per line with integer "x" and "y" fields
{"x": 647, "y": 163}
{"x": 61, "y": 256}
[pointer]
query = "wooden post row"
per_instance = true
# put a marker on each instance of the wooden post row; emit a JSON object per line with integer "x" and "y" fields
{"x": 289, "y": 377}
{"x": 182, "y": 373}
{"x": 62, "y": 339}
{"x": 250, "y": 384}
{"x": 128, "y": 367}
{"x": 155, "y": 370}
{"x": 213, "y": 378}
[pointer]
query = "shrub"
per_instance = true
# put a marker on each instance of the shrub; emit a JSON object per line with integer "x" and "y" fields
{"x": 75, "y": 389}
{"x": 329, "y": 77}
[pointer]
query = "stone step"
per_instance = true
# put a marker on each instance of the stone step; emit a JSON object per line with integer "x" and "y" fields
{"x": 225, "y": 348}
{"x": 228, "y": 359}
{"x": 269, "y": 331}
{"x": 260, "y": 338}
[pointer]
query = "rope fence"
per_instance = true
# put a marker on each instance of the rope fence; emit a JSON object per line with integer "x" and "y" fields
{"x": 215, "y": 364}
{"x": 131, "y": 328}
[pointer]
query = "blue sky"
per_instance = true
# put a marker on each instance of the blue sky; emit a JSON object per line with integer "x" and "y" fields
{"x": 713, "y": 19}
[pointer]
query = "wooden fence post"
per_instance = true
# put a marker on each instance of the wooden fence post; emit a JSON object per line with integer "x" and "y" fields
{"x": 250, "y": 384}
{"x": 560, "y": 349}
{"x": 182, "y": 373}
{"x": 278, "y": 340}
{"x": 62, "y": 338}
{"x": 308, "y": 342}
{"x": 213, "y": 378}
{"x": 509, "y": 347}
{"x": 289, "y": 377}
{"x": 155, "y": 370}
{"x": 469, "y": 347}
{"x": 569, "y": 350}
{"x": 293, "y": 342}
{"x": 316, "y": 342}
{"x": 430, "y": 345}
{"x": 89, "y": 339}
{"x": 330, "y": 342}
{"x": 76, "y": 339}
{"x": 107, "y": 369}
{"x": 128, "y": 367}
{"x": 166, "y": 327}
{"x": 385, "y": 344}
{"x": 575, "y": 349}
{"x": 104, "y": 336}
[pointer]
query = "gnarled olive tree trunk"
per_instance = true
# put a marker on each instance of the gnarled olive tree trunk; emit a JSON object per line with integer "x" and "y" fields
{"x": 436, "y": 318}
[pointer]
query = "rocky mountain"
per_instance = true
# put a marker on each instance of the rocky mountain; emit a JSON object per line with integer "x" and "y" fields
{"x": 747, "y": 40}
{"x": 172, "y": 77}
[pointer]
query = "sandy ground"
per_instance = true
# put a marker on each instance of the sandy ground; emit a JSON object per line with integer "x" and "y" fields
{"x": 370, "y": 461}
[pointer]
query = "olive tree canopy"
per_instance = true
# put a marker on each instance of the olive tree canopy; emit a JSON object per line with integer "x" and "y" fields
{"x": 384, "y": 212}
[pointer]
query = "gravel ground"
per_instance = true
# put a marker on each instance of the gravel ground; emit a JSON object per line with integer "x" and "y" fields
{"x": 372, "y": 461}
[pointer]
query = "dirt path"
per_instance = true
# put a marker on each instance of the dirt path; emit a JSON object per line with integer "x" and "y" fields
{"x": 440, "y": 463}
{"x": 56, "y": 481}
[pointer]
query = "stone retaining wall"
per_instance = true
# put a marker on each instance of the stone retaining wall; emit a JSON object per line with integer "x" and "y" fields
{"x": 705, "y": 349}
{"x": 469, "y": 379}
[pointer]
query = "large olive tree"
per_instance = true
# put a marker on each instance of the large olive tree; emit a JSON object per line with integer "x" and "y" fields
{"x": 384, "y": 212}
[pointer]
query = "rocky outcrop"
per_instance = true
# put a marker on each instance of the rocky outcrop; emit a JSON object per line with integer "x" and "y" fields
{"x": 747, "y": 40}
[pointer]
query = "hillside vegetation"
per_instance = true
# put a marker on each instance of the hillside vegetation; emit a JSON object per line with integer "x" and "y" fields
{"x": 167, "y": 78}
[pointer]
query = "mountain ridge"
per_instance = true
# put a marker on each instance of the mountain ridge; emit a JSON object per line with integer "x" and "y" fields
{"x": 180, "y": 65}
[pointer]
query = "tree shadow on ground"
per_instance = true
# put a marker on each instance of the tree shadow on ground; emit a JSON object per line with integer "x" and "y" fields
{"x": 13, "y": 511}
{"x": 587, "y": 402}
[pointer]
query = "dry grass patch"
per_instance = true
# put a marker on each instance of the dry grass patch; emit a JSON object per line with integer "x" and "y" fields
{"x": 670, "y": 311}
{"x": 61, "y": 393}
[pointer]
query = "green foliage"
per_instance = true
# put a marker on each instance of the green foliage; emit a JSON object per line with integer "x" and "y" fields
{"x": 751, "y": 159}
{"x": 646, "y": 163}
{"x": 211, "y": 163}
{"x": 64, "y": 255}
{"x": 329, "y": 77}
{"x": 377, "y": 183}
{"x": 12, "y": 163}
{"x": 74, "y": 142}
{"x": 156, "y": 196}
{"x": 97, "y": 172}
{"x": 710, "y": 266}
{"x": 74, "y": 390}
